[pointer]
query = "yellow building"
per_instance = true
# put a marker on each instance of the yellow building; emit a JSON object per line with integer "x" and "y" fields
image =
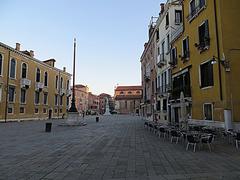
{"x": 36, "y": 89}
{"x": 205, "y": 63}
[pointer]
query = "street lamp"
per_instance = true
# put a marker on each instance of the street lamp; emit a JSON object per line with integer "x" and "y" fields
{"x": 223, "y": 62}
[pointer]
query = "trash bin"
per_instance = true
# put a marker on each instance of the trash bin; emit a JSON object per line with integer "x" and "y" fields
{"x": 48, "y": 127}
{"x": 97, "y": 119}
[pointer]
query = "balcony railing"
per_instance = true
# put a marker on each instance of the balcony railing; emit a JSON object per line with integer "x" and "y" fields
{"x": 163, "y": 90}
{"x": 69, "y": 92}
{"x": 25, "y": 83}
{"x": 62, "y": 91}
{"x": 176, "y": 33}
{"x": 161, "y": 60}
{"x": 39, "y": 86}
{"x": 194, "y": 12}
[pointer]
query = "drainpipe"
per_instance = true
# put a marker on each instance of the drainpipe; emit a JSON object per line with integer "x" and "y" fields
{"x": 7, "y": 89}
{"x": 218, "y": 52}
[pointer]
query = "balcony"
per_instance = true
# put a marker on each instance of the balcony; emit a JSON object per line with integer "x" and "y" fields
{"x": 69, "y": 92}
{"x": 161, "y": 61}
{"x": 175, "y": 34}
{"x": 147, "y": 77}
{"x": 39, "y": 86}
{"x": 194, "y": 12}
{"x": 164, "y": 90}
{"x": 62, "y": 91}
{"x": 25, "y": 83}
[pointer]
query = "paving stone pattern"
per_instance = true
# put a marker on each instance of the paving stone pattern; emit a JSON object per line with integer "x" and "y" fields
{"x": 118, "y": 147}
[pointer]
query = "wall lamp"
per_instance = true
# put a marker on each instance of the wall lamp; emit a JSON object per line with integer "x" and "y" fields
{"x": 223, "y": 62}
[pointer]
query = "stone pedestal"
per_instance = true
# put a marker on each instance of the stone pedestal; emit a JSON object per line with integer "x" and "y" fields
{"x": 73, "y": 119}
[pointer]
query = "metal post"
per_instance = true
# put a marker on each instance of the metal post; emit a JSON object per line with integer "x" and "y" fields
{"x": 73, "y": 105}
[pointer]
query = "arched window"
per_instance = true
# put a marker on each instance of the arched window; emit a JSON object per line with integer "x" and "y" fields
{"x": 129, "y": 92}
{"x": 61, "y": 83}
{"x": 45, "y": 79}
{"x": 1, "y": 64}
{"x": 13, "y": 68}
{"x": 38, "y": 75}
{"x": 68, "y": 88}
{"x": 56, "y": 82}
{"x": 24, "y": 70}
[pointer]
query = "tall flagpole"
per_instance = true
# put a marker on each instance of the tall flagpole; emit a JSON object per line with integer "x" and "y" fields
{"x": 73, "y": 105}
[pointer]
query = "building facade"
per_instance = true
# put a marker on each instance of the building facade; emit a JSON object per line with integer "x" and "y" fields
{"x": 93, "y": 103}
{"x": 128, "y": 99}
{"x": 30, "y": 88}
{"x": 81, "y": 98}
{"x": 170, "y": 19}
{"x": 205, "y": 63}
{"x": 148, "y": 73}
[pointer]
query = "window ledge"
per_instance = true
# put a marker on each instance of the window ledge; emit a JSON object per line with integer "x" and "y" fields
{"x": 207, "y": 87}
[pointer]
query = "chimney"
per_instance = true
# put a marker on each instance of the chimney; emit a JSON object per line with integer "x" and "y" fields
{"x": 18, "y": 46}
{"x": 145, "y": 45}
{"x": 64, "y": 69}
{"x": 31, "y": 53}
{"x": 162, "y": 8}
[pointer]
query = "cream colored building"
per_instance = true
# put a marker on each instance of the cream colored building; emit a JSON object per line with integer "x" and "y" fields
{"x": 29, "y": 88}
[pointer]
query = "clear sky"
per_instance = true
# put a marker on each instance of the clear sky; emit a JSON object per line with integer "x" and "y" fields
{"x": 110, "y": 36}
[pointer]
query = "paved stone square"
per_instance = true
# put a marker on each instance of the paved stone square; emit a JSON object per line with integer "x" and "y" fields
{"x": 118, "y": 147}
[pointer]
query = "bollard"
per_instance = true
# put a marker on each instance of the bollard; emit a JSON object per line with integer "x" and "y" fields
{"x": 48, "y": 127}
{"x": 97, "y": 119}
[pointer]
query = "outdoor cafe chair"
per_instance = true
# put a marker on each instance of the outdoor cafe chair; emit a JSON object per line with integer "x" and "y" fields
{"x": 237, "y": 139}
{"x": 175, "y": 135}
{"x": 162, "y": 131}
{"x": 207, "y": 140}
{"x": 192, "y": 141}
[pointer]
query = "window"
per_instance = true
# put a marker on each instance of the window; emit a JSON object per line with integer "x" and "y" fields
{"x": 56, "y": 82}
{"x": 44, "y": 110}
{"x": 185, "y": 50}
{"x": 203, "y": 32}
{"x": 60, "y": 110}
{"x": 164, "y": 105}
{"x": 61, "y": 100}
{"x": 68, "y": 85}
{"x": 61, "y": 83}
{"x": 23, "y": 96}
{"x": 24, "y": 70}
{"x": 45, "y": 98}
{"x": 56, "y": 99}
{"x": 67, "y": 101}
{"x": 55, "y": 110}
{"x": 10, "y": 110}
{"x": 178, "y": 16}
{"x": 206, "y": 74}
{"x": 129, "y": 92}
{"x": 0, "y": 92}
{"x": 37, "y": 97}
{"x": 158, "y": 105}
{"x": 38, "y": 75}
{"x": 208, "y": 111}
{"x": 22, "y": 110}
{"x": 121, "y": 92}
{"x": 173, "y": 56}
{"x": 167, "y": 20}
{"x": 45, "y": 79}
{"x": 157, "y": 35}
{"x": 12, "y": 69}
{"x": 1, "y": 64}
{"x": 11, "y": 94}
{"x": 168, "y": 43}
{"x": 195, "y": 7}
{"x": 36, "y": 110}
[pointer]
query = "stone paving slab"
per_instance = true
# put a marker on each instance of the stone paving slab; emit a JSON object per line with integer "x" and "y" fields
{"x": 116, "y": 148}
